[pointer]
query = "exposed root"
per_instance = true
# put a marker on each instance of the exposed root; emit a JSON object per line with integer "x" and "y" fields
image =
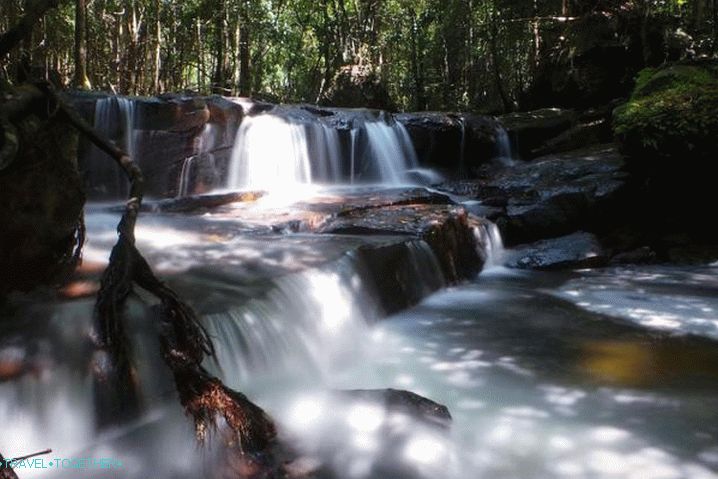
{"x": 206, "y": 399}
{"x": 6, "y": 472}
{"x": 184, "y": 341}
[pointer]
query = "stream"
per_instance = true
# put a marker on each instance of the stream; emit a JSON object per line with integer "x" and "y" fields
{"x": 596, "y": 374}
{"x": 607, "y": 373}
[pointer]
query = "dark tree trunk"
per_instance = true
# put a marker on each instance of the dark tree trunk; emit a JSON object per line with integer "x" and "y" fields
{"x": 494, "y": 52}
{"x": 81, "y": 80}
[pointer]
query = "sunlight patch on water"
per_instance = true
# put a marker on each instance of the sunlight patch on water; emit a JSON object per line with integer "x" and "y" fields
{"x": 641, "y": 297}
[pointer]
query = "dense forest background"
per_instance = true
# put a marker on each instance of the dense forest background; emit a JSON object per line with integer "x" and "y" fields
{"x": 482, "y": 55}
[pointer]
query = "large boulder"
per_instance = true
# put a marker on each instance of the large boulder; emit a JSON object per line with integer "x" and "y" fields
{"x": 668, "y": 131}
{"x": 671, "y": 116}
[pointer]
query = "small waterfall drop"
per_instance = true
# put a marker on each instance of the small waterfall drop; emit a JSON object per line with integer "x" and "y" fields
{"x": 115, "y": 118}
{"x": 462, "y": 146}
{"x": 492, "y": 245}
{"x": 288, "y": 148}
{"x": 306, "y": 325}
{"x": 504, "y": 149}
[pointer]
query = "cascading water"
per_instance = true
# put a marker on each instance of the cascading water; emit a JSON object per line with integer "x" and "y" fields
{"x": 307, "y": 324}
{"x": 288, "y": 147}
{"x": 491, "y": 245}
{"x": 114, "y": 118}
{"x": 504, "y": 149}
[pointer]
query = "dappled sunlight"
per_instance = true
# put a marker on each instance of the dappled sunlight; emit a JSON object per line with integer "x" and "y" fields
{"x": 645, "y": 297}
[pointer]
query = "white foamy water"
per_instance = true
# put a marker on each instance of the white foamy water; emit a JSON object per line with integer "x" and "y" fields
{"x": 287, "y": 149}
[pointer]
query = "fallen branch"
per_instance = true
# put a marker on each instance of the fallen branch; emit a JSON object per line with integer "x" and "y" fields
{"x": 6, "y": 470}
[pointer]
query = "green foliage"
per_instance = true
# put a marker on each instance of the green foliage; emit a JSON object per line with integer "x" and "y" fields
{"x": 428, "y": 54}
{"x": 671, "y": 114}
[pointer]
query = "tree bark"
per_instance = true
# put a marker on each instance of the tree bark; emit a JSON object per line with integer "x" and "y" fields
{"x": 158, "y": 48}
{"x": 81, "y": 80}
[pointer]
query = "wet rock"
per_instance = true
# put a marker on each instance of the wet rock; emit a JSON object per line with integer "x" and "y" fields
{"x": 191, "y": 204}
{"x": 530, "y": 130}
{"x": 449, "y": 231}
{"x": 552, "y": 196}
{"x": 578, "y": 250}
{"x": 42, "y": 201}
{"x": 169, "y": 130}
{"x": 404, "y": 402}
{"x": 642, "y": 255}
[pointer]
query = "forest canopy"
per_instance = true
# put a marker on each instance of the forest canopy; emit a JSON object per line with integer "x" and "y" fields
{"x": 484, "y": 55}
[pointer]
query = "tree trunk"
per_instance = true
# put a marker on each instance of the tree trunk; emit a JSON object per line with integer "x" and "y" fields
{"x": 81, "y": 80}
{"x": 222, "y": 68}
{"x": 245, "y": 83}
{"x": 158, "y": 48}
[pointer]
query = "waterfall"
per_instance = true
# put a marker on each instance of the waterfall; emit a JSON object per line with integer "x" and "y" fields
{"x": 493, "y": 251}
{"x": 270, "y": 153}
{"x": 306, "y": 325}
{"x": 115, "y": 119}
{"x": 289, "y": 147}
{"x": 504, "y": 149}
{"x": 199, "y": 171}
{"x": 353, "y": 153}
{"x": 462, "y": 146}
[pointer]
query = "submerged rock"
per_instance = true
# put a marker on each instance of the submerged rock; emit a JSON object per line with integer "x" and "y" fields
{"x": 578, "y": 250}
{"x": 403, "y": 402}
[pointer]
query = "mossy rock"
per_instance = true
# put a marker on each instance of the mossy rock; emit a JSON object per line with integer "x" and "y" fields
{"x": 671, "y": 116}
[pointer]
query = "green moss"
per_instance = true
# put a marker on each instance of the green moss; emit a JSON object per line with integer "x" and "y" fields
{"x": 671, "y": 114}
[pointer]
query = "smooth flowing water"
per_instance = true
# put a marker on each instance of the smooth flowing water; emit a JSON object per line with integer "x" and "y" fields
{"x": 288, "y": 148}
{"x": 504, "y": 149}
{"x": 545, "y": 374}
{"x": 592, "y": 374}
{"x": 115, "y": 118}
